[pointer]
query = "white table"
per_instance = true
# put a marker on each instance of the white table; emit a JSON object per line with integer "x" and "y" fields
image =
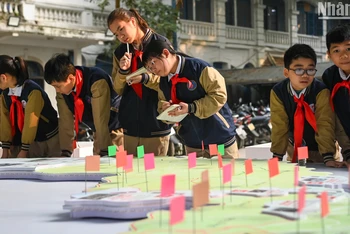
{"x": 35, "y": 207}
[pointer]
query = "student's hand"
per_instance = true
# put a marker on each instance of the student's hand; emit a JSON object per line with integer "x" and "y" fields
{"x": 165, "y": 105}
{"x": 335, "y": 164}
{"x": 125, "y": 61}
{"x": 5, "y": 153}
{"x": 134, "y": 80}
{"x": 22, "y": 154}
{"x": 183, "y": 109}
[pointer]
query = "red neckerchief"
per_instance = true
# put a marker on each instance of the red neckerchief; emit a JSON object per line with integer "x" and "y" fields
{"x": 344, "y": 83}
{"x": 78, "y": 103}
{"x": 137, "y": 87}
{"x": 299, "y": 117}
{"x": 174, "y": 80}
{"x": 16, "y": 103}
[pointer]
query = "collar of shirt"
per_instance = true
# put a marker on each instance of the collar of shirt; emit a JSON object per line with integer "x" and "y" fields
{"x": 177, "y": 69}
{"x": 17, "y": 91}
{"x": 342, "y": 74}
{"x": 295, "y": 93}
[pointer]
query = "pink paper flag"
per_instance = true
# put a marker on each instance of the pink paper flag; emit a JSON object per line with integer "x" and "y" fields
{"x": 177, "y": 210}
{"x": 303, "y": 152}
{"x": 92, "y": 163}
{"x": 149, "y": 161}
{"x": 192, "y": 160}
{"x": 213, "y": 149}
{"x": 324, "y": 204}
{"x": 227, "y": 173}
{"x": 167, "y": 187}
{"x": 301, "y": 198}
{"x": 273, "y": 167}
{"x": 296, "y": 176}
{"x": 129, "y": 163}
{"x": 248, "y": 166}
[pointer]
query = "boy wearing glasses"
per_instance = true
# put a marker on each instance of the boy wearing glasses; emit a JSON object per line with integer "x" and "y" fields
{"x": 337, "y": 80}
{"x": 300, "y": 110}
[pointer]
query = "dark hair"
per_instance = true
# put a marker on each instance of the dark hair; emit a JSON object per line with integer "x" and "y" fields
{"x": 338, "y": 34}
{"x": 299, "y": 51}
{"x": 58, "y": 68}
{"x": 125, "y": 15}
{"x": 16, "y": 67}
{"x": 155, "y": 49}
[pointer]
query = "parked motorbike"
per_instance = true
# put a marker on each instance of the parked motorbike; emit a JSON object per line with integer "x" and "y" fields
{"x": 85, "y": 132}
{"x": 176, "y": 146}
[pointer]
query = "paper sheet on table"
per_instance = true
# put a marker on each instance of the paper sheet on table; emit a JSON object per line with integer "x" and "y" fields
{"x": 175, "y": 119}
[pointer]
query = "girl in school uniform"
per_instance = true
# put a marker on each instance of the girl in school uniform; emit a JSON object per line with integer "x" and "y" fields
{"x": 138, "y": 107}
{"x": 200, "y": 91}
{"x": 28, "y": 122}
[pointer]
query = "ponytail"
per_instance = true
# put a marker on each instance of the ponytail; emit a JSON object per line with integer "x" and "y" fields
{"x": 22, "y": 74}
{"x": 125, "y": 15}
{"x": 141, "y": 21}
{"x": 16, "y": 67}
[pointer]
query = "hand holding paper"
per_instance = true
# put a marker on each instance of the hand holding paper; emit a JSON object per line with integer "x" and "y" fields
{"x": 171, "y": 118}
{"x": 138, "y": 72}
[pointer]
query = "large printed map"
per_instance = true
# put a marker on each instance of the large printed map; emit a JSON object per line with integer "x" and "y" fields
{"x": 247, "y": 209}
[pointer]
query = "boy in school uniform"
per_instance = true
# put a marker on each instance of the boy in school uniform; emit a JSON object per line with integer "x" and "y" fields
{"x": 337, "y": 80}
{"x": 84, "y": 94}
{"x": 200, "y": 91}
{"x": 300, "y": 110}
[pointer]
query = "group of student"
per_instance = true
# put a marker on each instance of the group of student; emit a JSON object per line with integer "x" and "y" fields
{"x": 119, "y": 112}
{"x": 308, "y": 112}
{"x": 123, "y": 112}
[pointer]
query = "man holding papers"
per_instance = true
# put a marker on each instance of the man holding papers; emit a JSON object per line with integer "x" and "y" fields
{"x": 200, "y": 93}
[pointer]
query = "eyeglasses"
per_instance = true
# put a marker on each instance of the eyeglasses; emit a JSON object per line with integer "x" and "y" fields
{"x": 150, "y": 65}
{"x": 300, "y": 71}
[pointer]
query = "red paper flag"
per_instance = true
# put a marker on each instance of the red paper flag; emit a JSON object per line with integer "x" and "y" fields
{"x": 213, "y": 149}
{"x": 192, "y": 160}
{"x": 324, "y": 204}
{"x": 273, "y": 167}
{"x": 303, "y": 152}
{"x": 248, "y": 166}
{"x": 227, "y": 173}
{"x": 219, "y": 161}
{"x": 177, "y": 210}
{"x": 149, "y": 161}
{"x": 167, "y": 187}
{"x": 92, "y": 163}
{"x": 301, "y": 198}
{"x": 349, "y": 174}
{"x": 121, "y": 159}
{"x": 129, "y": 163}
{"x": 296, "y": 176}
{"x": 121, "y": 148}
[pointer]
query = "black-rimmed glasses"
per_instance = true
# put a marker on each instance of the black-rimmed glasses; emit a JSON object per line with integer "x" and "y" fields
{"x": 300, "y": 71}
